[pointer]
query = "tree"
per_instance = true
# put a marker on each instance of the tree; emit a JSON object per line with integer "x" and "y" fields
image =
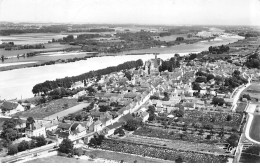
{"x": 104, "y": 108}
{"x": 40, "y": 141}
{"x": 179, "y": 38}
{"x": 210, "y": 76}
{"x": 218, "y": 101}
{"x": 66, "y": 146}
{"x": 32, "y": 144}
{"x": 229, "y": 117}
{"x": 92, "y": 142}
{"x": 233, "y": 140}
{"x": 78, "y": 117}
{"x": 29, "y": 121}
{"x": 132, "y": 124}
{"x": 78, "y": 151}
{"x": 128, "y": 76}
{"x": 196, "y": 86}
{"x": 179, "y": 160}
{"x": 247, "y": 96}
{"x": 12, "y": 149}
{"x": 201, "y": 79}
{"x": 22, "y": 146}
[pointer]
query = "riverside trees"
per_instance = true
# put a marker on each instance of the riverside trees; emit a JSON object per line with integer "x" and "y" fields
{"x": 68, "y": 81}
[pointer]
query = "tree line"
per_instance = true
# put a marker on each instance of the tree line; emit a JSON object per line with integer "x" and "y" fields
{"x": 68, "y": 81}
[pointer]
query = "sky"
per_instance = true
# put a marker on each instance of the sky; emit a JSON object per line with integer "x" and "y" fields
{"x": 170, "y": 12}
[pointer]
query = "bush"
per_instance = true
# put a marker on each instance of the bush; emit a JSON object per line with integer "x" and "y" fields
{"x": 12, "y": 149}
{"x": 40, "y": 141}
{"x": 78, "y": 151}
{"x": 179, "y": 160}
{"x": 66, "y": 146}
{"x": 132, "y": 125}
{"x": 22, "y": 146}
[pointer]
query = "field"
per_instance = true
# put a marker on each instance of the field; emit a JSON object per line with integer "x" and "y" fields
{"x": 128, "y": 158}
{"x": 47, "y": 109}
{"x": 255, "y": 128}
{"x": 241, "y": 107}
{"x": 173, "y": 37}
{"x": 58, "y": 159}
{"x": 170, "y": 134}
{"x": 48, "y": 47}
{"x": 253, "y": 90}
{"x": 247, "y": 158}
{"x": 160, "y": 152}
{"x": 175, "y": 144}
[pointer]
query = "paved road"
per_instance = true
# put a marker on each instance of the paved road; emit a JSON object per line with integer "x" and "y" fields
{"x": 26, "y": 154}
{"x": 240, "y": 90}
{"x": 67, "y": 111}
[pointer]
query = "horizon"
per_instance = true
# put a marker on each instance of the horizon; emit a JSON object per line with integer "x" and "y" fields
{"x": 165, "y": 12}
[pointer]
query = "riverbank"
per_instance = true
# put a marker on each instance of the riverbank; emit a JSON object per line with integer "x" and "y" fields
{"x": 48, "y": 57}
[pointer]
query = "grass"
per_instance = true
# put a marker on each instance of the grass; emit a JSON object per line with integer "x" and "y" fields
{"x": 173, "y": 37}
{"x": 241, "y": 107}
{"x": 47, "y": 109}
{"x": 253, "y": 90}
{"x": 58, "y": 159}
{"x": 119, "y": 156}
{"x": 247, "y": 158}
{"x": 48, "y": 47}
{"x": 175, "y": 144}
{"x": 255, "y": 128}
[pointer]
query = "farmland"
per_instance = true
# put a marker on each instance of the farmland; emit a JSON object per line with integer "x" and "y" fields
{"x": 50, "y": 108}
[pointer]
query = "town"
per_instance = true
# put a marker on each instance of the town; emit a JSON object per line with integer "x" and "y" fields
{"x": 184, "y": 109}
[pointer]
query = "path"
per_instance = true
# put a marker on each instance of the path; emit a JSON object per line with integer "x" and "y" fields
{"x": 67, "y": 111}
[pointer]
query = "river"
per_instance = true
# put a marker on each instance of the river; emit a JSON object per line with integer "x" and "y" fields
{"x": 18, "y": 83}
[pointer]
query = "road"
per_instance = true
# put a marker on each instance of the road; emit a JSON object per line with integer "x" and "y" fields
{"x": 27, "y": 154}
{"x": 67, "y": 111}
{"x": 240, "y": 90}
{"x": 250, "y": 110}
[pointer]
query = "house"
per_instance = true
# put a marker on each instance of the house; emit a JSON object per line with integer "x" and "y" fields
{"x": 10, "y": 108}
{"x": 125, "y": 118}
{"x": 96, "y": 126}
{"x": 35, "y": 130}
{"x": 70, "y": 131}
{"x": 77, "y": 130}
{"x": 109, "y": 130}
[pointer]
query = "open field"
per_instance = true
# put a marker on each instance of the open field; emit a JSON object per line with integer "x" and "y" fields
{"x": 255, "y": 128}
{"x": 128, "y": 158}
{"x": 241, "y": 107}
{"x": 253, "y": 90}
{"x": 160, "y": 152}
{"x": 48, "y": 47}
{"x": 173, "y": 37}
{"x": 247, "y": 158}
{"x": 48, "y": 109}
{"x": 58, "y": 159}
{"x": 175, "y": 144}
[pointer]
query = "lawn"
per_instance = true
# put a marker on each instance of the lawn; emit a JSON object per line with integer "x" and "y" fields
{"x": 128, "y": 158}
{"x": 48, "y": 109}
{"x": 255, "y": 128}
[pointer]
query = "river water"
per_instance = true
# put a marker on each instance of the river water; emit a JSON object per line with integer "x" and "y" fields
{"x": 18, "y": 83}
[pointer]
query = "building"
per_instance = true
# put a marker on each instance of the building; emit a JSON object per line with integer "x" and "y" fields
{"x": 10, "y": 108}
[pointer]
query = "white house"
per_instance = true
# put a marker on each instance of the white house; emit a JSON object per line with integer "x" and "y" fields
{"x": 10, "y": 108}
